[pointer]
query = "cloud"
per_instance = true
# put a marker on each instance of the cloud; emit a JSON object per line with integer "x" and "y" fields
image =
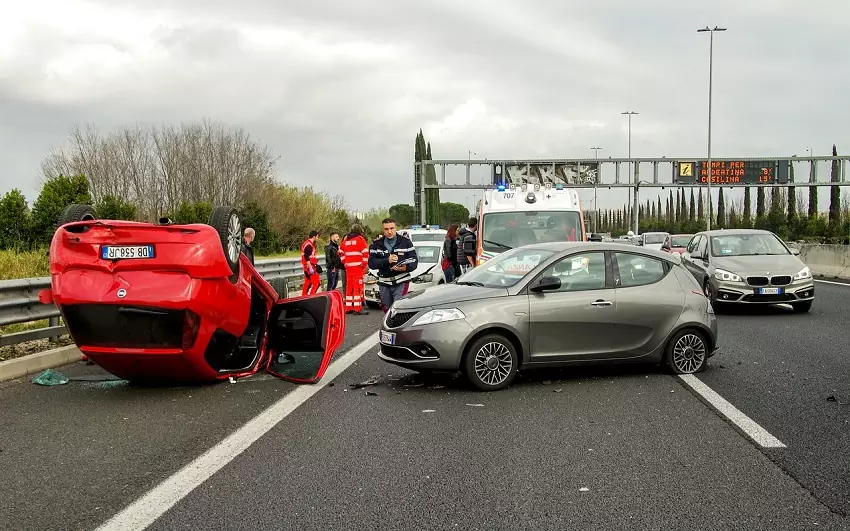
{"x": 339, "y": 90}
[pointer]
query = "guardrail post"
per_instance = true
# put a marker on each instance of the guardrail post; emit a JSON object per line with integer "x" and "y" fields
{"x": 53, "y": 321}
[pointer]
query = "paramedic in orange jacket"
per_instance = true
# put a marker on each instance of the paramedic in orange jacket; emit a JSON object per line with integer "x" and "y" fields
{"x": 354, "y": 251}
{"x": 310, "y": 263}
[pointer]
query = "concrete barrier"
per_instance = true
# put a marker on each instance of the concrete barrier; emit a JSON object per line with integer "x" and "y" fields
{"x": 827, "y": 261}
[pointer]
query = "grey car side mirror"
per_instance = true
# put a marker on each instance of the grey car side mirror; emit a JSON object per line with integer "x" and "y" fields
{"x": 547, "y": 284}
{"x": 795, "y": 252}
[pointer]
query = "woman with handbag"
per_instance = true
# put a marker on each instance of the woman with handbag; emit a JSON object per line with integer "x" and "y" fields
{"x": 449, "y": 264}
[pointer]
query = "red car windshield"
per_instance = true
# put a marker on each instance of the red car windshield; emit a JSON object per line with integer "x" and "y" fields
{"x": 681, "y": 241}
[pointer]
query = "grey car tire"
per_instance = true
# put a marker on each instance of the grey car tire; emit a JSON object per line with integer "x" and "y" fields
{"x": 686, "y": 352}
{"x": 227, "y": 223}
{"x": 491, "y": 362}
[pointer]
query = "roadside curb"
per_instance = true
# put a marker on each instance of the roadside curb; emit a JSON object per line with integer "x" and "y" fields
{"x": 11, "y": 369}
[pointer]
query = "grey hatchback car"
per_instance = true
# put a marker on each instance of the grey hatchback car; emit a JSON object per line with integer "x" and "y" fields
{"x": 554, "y": 304}
{"x": 749, "y": 266}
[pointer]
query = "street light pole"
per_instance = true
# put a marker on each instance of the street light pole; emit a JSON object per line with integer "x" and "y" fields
{"x": 710, "y": 75}
{"x": 630, "y": 113}
{"x": 595, "y": 205}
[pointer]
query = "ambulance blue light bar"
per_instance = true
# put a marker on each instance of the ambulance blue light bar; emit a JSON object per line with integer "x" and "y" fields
{"x": 559, "y": 186}
{"x": 501, "y": 188}
{"x": 434, "y": 227}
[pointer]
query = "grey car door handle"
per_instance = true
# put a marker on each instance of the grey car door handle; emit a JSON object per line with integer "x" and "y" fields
{"x": 600, "y": 302}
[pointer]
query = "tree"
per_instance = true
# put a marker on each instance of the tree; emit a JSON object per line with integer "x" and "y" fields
{"x": 111, "y": 207}
{"x": 760, "y": 206}
{"x": 266, "y": 241}
{"x": 792, "y": 203}
{"x": 678, "y": 209}
{"x": 685, "y": 210}
{"x": 157, "y": 169}
{"x": 658, "y": 217}
{"x": 188, "y": 212}
{"x": 692, "y": 208}
{"x": 700, "y": 208}
{"x": 56, "y": 194}
{"x": 721, "y": 210}
{"x": 776, "y": 216}
{"x": 403, "y": 214}
{"x": 748, "y": 215}
{"x": 453, "y": 213}
{"x": 14, "y": 221}
{"x": 432, "y": 213}
{"x": 813, "y": 198}
{"x": 835, "y": 195}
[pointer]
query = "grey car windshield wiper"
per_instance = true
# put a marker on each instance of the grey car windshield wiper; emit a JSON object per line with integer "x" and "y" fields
{"x": 502, "y": 245}
{"x": 469, "y": 283}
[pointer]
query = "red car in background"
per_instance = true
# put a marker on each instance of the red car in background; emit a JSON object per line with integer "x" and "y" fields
{"x": 154, "y": 302}
{"x": 676, "y": 243}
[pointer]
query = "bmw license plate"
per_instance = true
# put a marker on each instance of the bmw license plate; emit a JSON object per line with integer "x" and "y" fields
{"x": 126, "y": 252}
{"x": 387, "y": 338}
{"x": 770, "y": 291}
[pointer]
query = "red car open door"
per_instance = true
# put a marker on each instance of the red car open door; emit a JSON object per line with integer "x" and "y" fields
{"x": 304, "y": 333}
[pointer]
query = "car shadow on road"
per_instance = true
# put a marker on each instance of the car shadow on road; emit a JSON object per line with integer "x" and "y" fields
{"x": 426, "y": 382}
{"x": 754, "y": 310}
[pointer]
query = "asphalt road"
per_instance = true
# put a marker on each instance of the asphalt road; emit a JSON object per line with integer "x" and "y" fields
{"x": 71, "y": 456}
{"x": 791, "y": 374}
{"x": 649, "y": 452}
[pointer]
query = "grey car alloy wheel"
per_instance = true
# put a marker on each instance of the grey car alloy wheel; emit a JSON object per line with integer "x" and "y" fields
{"x": 493, "y": 363}
{"x": 689, "y": 353}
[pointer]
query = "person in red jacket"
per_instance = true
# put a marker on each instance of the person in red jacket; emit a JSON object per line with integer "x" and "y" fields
{"x": 354, "y": 252}
{"x": 310, "y": 263}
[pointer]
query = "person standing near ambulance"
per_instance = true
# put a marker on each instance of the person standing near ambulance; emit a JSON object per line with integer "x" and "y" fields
{"x": 310, "y": 263}
{"x": 354, "y": 252}
{"x": 393, "y": 256}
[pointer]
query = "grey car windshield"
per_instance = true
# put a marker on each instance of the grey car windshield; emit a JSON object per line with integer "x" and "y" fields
{"x": 427, "y": 254}
{"x": 655, "y": 237}
{"x": 506, "y": 269}
{"x": 506, "y": 230}
{"x": 746, "y": 245}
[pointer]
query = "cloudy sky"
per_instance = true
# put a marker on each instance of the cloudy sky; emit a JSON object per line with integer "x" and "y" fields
{"x": 340, "y": 89}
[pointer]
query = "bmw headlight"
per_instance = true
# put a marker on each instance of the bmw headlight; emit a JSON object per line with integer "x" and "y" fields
{"x": 803, "y": 274}
{"x": 439, "y": 316}
{"x": 427, "y": 277}
{"x": 726, "y": 276}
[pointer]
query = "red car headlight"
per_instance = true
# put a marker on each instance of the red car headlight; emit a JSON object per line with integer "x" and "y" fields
{"x": 191, "y": 323}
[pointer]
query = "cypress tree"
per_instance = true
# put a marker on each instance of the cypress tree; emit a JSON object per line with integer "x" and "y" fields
{"x": 721, "y": 210}
{"x": 748, "y": 214}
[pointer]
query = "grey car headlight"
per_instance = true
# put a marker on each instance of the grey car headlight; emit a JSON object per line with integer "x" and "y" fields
{"x": 427, "y": 277}
{"x": 803, "y": 274}
{"x": 726, "y": 276}
{"x": 439, "y": 316}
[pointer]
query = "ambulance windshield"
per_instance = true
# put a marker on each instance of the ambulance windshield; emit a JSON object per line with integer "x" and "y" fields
{"x": 506, "y": 230}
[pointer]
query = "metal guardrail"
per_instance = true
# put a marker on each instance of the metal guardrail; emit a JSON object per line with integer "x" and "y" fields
{"x": 19, "y": 299}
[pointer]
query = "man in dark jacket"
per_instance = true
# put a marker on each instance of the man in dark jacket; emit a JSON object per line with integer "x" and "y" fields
{"x": 332, "y": 260}
{"x": 246, "y": 244}
{"x": 467, "y": 246}
{"x": 394, "y": 256}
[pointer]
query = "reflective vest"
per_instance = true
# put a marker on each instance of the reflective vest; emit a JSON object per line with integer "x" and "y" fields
{"x": 354, "y": 251}
{"x": 314, "y": 260}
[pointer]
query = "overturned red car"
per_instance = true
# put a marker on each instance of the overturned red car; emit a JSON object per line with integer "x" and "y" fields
{"x": 167, "y": 302}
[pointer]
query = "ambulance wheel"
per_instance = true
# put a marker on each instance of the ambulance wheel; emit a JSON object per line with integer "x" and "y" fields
{"x": 227, "y": 223}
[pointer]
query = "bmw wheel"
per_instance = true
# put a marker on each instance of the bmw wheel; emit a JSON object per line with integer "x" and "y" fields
{"x": 491, "y": 362}
{"x": 687, "y": 352}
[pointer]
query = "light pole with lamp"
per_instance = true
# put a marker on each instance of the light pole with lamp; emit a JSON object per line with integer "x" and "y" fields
{"x": 630, "y": 113}
{"x": 710, "y": 73}
{"x": 595, "y": 183}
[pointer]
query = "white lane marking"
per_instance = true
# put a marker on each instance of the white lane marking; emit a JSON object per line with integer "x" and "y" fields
{"x": 144, "y": 511}
{"x": 834, "y": 283}
{"x": 756, "y": 432}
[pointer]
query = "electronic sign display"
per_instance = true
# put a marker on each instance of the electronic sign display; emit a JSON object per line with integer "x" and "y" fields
{"x": 731, "y": 172}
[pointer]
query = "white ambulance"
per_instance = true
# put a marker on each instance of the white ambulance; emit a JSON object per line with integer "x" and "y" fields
{"x": 516, "y": 215}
